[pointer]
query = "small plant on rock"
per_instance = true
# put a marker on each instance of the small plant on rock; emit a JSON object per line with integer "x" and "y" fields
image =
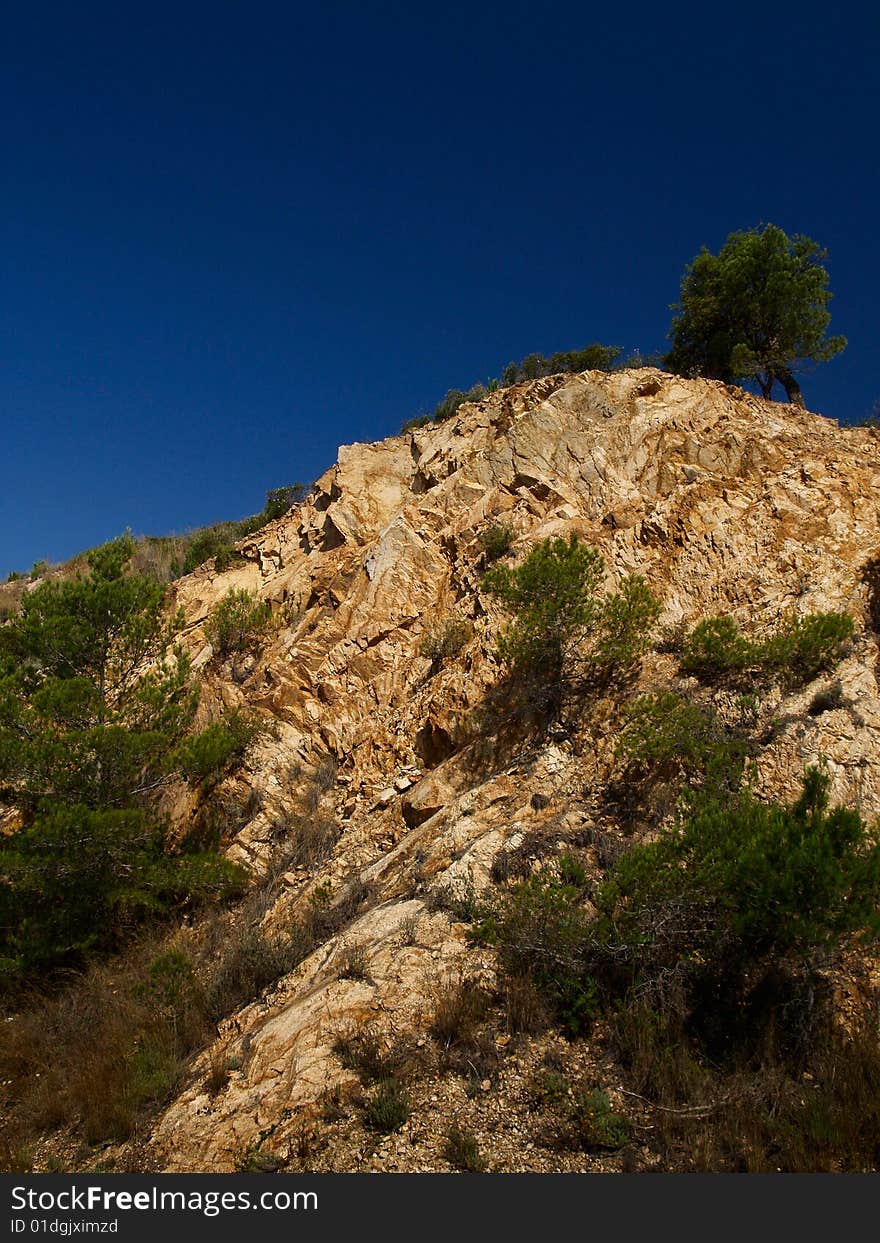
{"x": 238, "y": 622}
{"x": 462, "y": 1150}
{"x": 445, "y": 642}
{"x": 388, "y": 1108}
{"x": 496, "y": 541}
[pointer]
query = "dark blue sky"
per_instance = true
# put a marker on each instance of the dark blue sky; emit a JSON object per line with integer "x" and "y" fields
{"x": 237, "y": 235}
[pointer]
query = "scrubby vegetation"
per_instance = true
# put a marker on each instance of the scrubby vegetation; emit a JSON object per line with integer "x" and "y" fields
{"x": 207, "y": 754}
{"x": 496, "y": 541}
{"x": 218, "y": 541}
{"x": 593, "y": 357}
{"x": 705, "y": 950}
{"x": 94, "y": 702}
{"x": 167, "y": 557}
{"x": 388, "y": 1107}
{"x": 669, "y": 737}
{"x": 566, "y": 628}
{"x": 237, "y": 622}
{"x": 796, "y": 652}
{"x": 444, "y": 642}
{"x": 462, "y": 1150}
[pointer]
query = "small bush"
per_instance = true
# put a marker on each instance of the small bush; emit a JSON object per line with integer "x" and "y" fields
{"x": 449, "y": 406}
{"x": 738, "y": 884}
{"x": 525, "y": 1008}
{"x": 715, "y": 648}
{"x": 354, "y": 963}
{"x": 564, "y": 626}
{"x": 445, "y": 642}
{"x": 218, "y": 1074}
{"x": 466, "y": 1047}
{"x": 458, "y": 899}
{"x": 280, "y": 501}
{"x": 804, "y": 647}
{"x": 553, "y": 595}
{"x": 572, "y": 871}
{"x": 388, "y": 1108}
{"x": 462, "y": 1151}
{"x": 373, "y": 1056}
{"x": 238, "y": 622}
{"x": 461, "y": 1006}
{"x": 497, "y": 541}
{"x": 256, "y": 1160}
{"x": 206, "y": 754}
{"x": 625, "y": 628}
{"x": 311, "y": 841}
{"x": 795, "y": 653}
{"x": 211, "y": 542}
{"x": 591, "y": 1123}
{"x": 250, "y": 961}
{"x": 421, "y": 420}
{"x": 593, "y": 357}
{"x": 542, "y": 933}
{"x": 667, "y": 736}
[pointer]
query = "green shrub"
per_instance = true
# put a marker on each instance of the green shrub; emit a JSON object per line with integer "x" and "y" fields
{"x": 625, "y": 628}
{"x": 801, "y": 648}
{"x": 280, "y": 501}
{"x": 86, "y": 739}
{"x": 667, "y": 736}
{"x": 77, "y": 879}
{"x": 256, "y": 1160}
{"x": 446, "y": 408}
{"x": 445, "y": 642}
{"x": 592, "y": 1124}
{"x": 216, "y": 542}
{"x": 738, "y": 882}
{"x": 572, "y": 871}
{"x": 593, "y": 357}
{"x": 497, "y": 541}
{"x": 388, "y": 1107}
{"x": 462, "y": 1151}
{"x": 563, "y": 623}
{"x": 804, "y": 647}
{"x": 554, "y": 597}
{"x": 206, "y": 754}
{"x": 542, "y": 933}
{"x": 237, "y": 622}
{"x": 421, "y": 420}
{"x": 715, "y": 648}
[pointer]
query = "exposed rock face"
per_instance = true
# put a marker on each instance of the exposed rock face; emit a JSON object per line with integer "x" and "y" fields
{"x": 723, "y": 501}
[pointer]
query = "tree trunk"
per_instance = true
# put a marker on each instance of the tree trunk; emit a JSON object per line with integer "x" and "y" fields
{"x": 792, "y": 388}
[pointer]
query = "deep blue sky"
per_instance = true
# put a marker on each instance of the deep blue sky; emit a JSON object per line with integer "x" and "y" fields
{"x": 237, "y": 235}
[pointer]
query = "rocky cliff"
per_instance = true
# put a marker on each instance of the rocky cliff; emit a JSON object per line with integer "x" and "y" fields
{"x": 724, "y": 502}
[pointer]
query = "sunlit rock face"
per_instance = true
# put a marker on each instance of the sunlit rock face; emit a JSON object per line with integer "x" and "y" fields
{"x": 724, "y": 502}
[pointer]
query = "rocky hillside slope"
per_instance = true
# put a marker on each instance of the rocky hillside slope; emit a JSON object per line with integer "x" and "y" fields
{"x": 724, "y": 502}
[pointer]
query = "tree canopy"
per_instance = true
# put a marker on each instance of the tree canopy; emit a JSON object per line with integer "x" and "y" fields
{"x": 94, "y": 699}
{"x": 756, "y": 311}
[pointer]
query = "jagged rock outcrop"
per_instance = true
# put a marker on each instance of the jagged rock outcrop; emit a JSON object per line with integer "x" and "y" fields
{"x": 723, "y": 501}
